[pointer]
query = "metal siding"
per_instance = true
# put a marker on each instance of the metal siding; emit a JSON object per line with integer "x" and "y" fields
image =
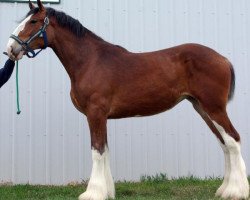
{"x": 49, "y": 142}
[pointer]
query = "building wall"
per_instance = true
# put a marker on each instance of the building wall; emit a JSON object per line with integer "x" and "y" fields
{"x": 49, "y": 142}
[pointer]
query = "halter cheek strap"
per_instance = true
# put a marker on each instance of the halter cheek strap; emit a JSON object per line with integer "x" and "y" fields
{"x": 31, "y": 53}
{"x": 41, "y": 33}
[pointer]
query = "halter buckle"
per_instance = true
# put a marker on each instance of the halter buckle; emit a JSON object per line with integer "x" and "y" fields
{"x": 46, "y": 21}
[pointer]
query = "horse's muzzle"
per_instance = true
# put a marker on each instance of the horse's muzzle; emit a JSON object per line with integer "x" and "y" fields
{"x": 15, "y": 51}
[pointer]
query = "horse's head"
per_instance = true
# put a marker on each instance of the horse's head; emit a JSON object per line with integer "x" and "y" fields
{"x": 30, "y": 34}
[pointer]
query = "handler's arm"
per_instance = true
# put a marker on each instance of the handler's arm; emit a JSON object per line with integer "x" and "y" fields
{"x": 6, "y": 72}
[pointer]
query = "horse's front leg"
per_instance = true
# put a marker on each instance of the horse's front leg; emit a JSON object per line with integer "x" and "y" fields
{"x": 101, "y": 185}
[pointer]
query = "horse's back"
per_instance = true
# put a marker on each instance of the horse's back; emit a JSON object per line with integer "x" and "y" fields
{"x": 156, "y": 81}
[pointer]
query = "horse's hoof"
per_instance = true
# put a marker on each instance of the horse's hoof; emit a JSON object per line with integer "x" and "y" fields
{"x": 220, "y": 190}
{"x": 92, "y": 195}
{"x": 236, "y": 192}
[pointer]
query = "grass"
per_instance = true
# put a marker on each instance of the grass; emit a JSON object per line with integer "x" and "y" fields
{"x": 150, "y": 188}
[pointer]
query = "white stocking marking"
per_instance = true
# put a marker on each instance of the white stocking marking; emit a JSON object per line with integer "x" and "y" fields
{"x": 101, "y": 185}
{"x": 235, "y": 184}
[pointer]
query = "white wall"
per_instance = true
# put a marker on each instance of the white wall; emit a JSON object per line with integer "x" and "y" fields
{"x": 49, "y": 142}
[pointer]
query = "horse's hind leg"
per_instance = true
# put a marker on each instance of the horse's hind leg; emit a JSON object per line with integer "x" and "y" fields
{"x": 235, "y": 184}
{"x": 226, "y": 152}
{"x": 101, "y": 185}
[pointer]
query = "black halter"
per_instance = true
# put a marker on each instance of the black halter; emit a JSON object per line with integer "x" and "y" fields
{"x": 40, "y": 33}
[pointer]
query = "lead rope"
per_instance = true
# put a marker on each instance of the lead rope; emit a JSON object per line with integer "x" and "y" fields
{"x": 17, "y": 90}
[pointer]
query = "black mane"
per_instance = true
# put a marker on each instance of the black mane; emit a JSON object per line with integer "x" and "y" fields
{"x": 64, "y": 21}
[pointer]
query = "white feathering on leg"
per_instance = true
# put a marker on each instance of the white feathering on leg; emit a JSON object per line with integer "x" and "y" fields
{"x": 97, "y": 187}
{"x": 101, "y": 184}
{"x": 237, "y": 184}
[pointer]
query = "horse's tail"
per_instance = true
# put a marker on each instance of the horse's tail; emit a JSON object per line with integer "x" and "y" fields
{"x": 232, "y": 84}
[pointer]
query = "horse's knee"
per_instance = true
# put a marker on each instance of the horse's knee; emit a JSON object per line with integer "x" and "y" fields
{"x": 98, "y": 129}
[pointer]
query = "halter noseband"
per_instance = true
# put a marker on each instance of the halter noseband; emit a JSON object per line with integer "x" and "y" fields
{"x": 40, "y": 33}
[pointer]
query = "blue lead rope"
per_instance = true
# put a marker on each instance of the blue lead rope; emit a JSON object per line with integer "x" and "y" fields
{"x": 17, "y": 90}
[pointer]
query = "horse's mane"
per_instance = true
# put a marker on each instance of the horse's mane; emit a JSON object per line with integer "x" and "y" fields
{"x": 65, "y": 21}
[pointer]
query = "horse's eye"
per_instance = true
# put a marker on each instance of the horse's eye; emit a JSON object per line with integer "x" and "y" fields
{"x": 33, "y": 21}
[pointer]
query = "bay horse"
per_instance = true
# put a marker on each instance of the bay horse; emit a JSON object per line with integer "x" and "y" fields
{"x": 109, "y": 82}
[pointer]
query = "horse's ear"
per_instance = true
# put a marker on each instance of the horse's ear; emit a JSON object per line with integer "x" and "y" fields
{"x": 40, "y": 5}
{"x": 31, "y": 5}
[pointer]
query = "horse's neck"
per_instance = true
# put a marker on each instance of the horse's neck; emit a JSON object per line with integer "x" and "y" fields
{"x": 73, "y": 52}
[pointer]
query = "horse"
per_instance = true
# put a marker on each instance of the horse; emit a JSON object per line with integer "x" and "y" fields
{"x": 109, "y": 82}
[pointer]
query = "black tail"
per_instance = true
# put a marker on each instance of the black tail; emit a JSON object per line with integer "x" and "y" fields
{"x": 232, "y": 85}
